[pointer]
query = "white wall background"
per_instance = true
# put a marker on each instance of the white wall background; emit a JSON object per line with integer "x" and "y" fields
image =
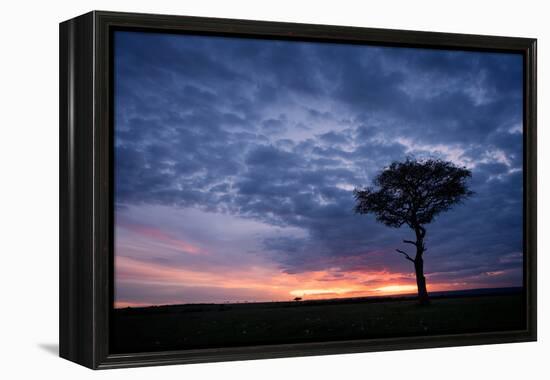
{"x": 29, "y": 191}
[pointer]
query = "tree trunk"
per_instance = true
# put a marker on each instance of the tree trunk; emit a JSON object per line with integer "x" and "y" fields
{"x": 421, "y": 281}
{"x": 419, "y": 266}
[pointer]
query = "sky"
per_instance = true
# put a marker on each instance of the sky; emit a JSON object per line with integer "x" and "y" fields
{"x": 236, "y": 160}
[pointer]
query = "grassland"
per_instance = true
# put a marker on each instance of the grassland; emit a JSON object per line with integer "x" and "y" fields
{"x": 220, "y": 325}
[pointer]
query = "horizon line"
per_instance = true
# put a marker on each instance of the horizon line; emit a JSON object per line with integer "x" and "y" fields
{"x": 302, "y": 300}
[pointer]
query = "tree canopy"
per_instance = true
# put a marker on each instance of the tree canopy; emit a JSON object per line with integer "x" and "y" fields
{"x": 414, "y": 192}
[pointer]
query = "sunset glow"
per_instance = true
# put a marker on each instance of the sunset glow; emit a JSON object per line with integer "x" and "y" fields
{"x": 396, "y": 289}
{"x": 220, "y": 282}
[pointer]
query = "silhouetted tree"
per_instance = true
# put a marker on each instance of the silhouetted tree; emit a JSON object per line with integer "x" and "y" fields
{"x": 412, "y": 193}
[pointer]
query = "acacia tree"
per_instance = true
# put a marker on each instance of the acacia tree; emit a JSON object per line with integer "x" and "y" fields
{"x": 413, "y": 193}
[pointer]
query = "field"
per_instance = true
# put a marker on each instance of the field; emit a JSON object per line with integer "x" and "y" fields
{"x": 218, "y": 325}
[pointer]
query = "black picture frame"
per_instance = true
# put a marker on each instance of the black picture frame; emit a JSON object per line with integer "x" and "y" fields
{"x": 86, "y": 182}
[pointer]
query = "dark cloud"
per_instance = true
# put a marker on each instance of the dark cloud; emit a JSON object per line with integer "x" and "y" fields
{"x": 281, "y": 132}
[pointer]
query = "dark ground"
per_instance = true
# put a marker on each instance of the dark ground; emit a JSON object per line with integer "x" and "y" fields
{"x": 221, "y": 325}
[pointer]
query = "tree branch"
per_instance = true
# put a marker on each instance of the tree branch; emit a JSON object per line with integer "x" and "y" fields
{"x": 409, "y": 242}
{"x": 406, "y": 256}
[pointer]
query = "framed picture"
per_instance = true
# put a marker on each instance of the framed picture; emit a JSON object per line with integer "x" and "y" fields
{"x": 236, "y": 189}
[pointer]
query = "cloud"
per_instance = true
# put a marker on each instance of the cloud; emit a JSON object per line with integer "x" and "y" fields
{"x": 277, "y": 134}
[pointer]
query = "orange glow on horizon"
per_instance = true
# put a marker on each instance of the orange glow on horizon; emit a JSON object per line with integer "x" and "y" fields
{"x": 396, "y": 289}
{"x": 316, "y": 292}
{"x": 124, "y": 304}
{"x": 266, "y": 283}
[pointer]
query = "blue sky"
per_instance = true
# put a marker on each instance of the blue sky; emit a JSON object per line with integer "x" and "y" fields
{"x": 236, "y": 160}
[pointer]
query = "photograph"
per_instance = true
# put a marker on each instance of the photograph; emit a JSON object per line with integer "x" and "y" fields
{"x": 273, "y": 191}
{"x": 286, "y": 190}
